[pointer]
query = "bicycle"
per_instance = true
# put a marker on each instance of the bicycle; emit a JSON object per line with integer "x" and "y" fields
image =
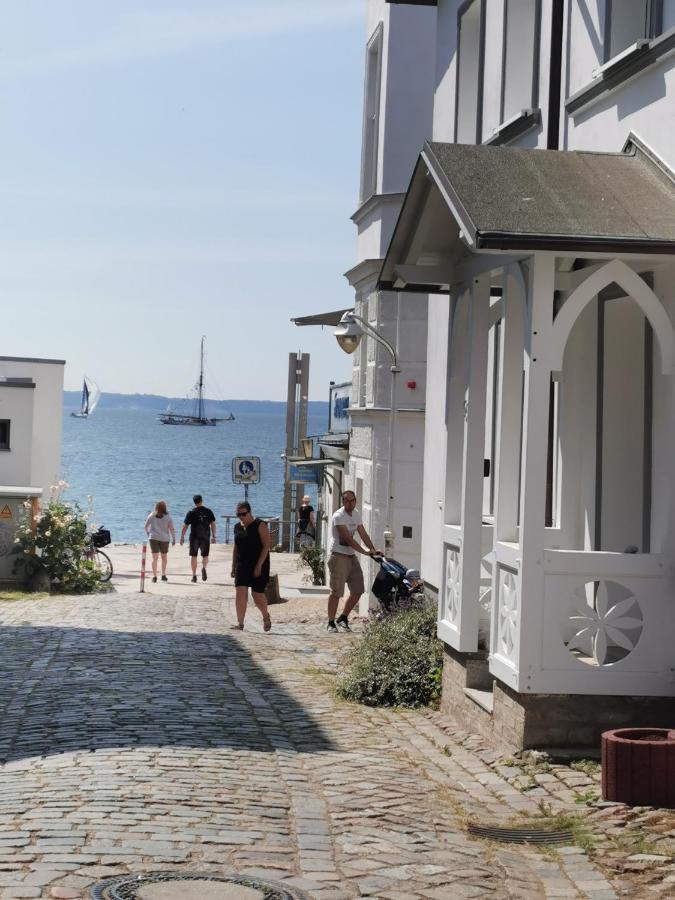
{"x": 97, "y": 557}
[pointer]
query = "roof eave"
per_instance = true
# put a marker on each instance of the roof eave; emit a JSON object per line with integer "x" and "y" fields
{"x": 495, "y": 240}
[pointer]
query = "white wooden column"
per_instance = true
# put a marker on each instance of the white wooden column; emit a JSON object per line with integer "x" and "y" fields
{"x": 528, "y": 628}
{"x": 462, "y": 541}
{"x": 509, "y": 411}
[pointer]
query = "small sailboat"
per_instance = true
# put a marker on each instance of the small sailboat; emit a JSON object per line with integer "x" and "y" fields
{"x": 198, "y": 416}
{"x": 91, "y": 394}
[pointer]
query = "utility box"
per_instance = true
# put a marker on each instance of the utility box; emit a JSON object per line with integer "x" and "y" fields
{"x": 12, "y": 512}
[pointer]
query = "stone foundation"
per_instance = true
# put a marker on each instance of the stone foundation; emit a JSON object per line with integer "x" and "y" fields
{"x": 521, "y": 721}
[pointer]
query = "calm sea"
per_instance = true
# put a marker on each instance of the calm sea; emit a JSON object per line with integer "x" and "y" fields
{"x": 126, "y": 460}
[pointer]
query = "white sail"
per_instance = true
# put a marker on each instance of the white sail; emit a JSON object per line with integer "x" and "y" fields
{"x": 94, "y": 396}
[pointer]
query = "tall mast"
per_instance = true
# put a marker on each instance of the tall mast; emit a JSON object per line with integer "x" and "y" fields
{"x": 200, "y": 407}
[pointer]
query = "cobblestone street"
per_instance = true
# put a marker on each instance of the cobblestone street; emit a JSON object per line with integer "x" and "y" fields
{"x": 139, "y": 733}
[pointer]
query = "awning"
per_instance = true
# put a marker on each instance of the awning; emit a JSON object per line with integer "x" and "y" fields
{"x": 465, "y": 198}
{"x": 328, "y": 318}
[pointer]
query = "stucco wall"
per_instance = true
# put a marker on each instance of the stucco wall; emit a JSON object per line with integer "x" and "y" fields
{"x": 16, "y": 405}
{"x": 47, "y": 416}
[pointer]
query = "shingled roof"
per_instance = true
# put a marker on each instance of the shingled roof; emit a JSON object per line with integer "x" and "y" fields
{"x": 508, "y": 198}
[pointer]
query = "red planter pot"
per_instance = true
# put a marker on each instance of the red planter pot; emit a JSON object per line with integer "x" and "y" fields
{"x": 638, "y": 766}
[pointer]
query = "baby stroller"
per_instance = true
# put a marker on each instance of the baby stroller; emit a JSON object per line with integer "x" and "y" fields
{"x": 397, "y": 587}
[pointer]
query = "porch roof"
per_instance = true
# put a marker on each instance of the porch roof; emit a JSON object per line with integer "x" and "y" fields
{"x": 511, "y": 199}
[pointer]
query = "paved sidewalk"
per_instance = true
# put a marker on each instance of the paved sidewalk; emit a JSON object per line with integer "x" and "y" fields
{"x": 139, "y": 733}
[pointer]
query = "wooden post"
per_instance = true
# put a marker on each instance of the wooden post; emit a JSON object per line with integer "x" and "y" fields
{"x": 533, "y": 470}
{"x": 143, "y": 556}
{"x": 472, "y": 465}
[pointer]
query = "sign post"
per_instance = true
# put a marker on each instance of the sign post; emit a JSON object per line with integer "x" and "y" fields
{"x": 246, "y": 470}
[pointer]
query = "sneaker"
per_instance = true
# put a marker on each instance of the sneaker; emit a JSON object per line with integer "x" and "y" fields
{"x": 343, "y": 623}
{"x": 154, "y": 579}
{"x": 332, "y": 627}
{"x": 194, "y": 579}
{"x": 164, "y": 578}
{"x": 203, "y": 574}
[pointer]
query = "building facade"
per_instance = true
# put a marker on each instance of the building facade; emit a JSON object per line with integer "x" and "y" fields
{"x": 397, "y": 119}
{"x": 541, "y": 218}
{"x": 31, "y": 415}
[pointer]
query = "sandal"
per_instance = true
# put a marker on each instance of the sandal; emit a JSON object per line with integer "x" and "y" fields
{"x": 267, "y": 623}
{"x": 236, "y": 627}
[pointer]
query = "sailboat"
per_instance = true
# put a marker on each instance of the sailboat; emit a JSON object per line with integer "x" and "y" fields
{"x": 198, "y": 417}
{"x": 91, "y": 394}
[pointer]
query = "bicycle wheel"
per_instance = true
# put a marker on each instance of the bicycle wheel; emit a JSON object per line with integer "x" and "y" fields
{"x": 103, "y": 564}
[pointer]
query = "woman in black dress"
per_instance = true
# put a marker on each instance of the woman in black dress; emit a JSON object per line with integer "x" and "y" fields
{"x": 250, "y": 564}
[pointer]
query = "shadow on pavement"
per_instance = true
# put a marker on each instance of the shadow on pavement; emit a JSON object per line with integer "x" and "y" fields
{"x": 69, "y": 689}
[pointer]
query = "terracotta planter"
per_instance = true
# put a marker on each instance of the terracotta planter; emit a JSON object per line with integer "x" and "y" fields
{"x": 638, "y": 766}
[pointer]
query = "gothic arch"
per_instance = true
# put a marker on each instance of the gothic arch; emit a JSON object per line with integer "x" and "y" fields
{"x": 614, "y": 272}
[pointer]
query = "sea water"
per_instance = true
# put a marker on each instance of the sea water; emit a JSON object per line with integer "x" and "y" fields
{"x": 126, "y": 460}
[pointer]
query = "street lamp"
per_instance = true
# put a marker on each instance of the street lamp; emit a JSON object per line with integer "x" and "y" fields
{"x": 348, "y": 335}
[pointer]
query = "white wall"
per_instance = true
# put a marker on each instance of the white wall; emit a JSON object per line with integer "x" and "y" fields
{"x": 644, "y": 104}
{"x": 16, "y": 404}
{"x": 47, "y": 415}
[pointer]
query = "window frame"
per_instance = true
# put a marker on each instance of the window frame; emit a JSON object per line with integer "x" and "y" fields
{"x": 463, "y": 9}
{"x": 6, "y": 444}
{"x": 652, "y": 30}
{"x": 369, "y": 155}
{"x": 536, "y": 61}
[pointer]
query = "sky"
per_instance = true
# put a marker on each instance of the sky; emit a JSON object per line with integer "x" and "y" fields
{"x": 179, "y": 169}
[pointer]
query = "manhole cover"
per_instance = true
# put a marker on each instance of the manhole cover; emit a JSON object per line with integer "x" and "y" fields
{"x": 521, "y": 835}
{"x": 193, "y": 886}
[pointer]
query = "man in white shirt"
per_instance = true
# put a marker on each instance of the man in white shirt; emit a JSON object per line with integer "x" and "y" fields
{"x": 343, "y": 563}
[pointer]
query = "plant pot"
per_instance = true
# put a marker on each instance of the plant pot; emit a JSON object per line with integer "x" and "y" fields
{"x": 638, "y": 766}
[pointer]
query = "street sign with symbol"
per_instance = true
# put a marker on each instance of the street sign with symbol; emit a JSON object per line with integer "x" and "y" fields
{"x": 246, "y": 469}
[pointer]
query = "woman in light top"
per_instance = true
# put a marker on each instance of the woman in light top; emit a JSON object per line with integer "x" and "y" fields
{"x": 160, "y": 530}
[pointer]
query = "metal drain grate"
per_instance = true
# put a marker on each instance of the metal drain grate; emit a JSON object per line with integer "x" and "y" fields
{"x": 521, "y": 835}
{"x": 126, "y": 887}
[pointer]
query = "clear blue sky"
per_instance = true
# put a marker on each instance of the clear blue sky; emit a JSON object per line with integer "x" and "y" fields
{"x": 173, "y": 169}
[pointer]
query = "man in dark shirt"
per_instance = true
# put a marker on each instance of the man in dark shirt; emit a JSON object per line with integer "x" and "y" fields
{"x": 202, "y": 524}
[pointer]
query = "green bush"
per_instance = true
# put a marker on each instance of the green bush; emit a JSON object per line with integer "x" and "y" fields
{"x": 314, "y": 559}
{"x": 397, "y": 663}
{"x": 58, "y": 546}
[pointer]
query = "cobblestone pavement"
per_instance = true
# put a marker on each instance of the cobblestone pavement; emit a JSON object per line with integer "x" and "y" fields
{"x": 139, "y": 733}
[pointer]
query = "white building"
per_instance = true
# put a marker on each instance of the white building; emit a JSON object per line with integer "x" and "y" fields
{"x": 548, "y": 248}
{"x": 399, "y": 73}
{"x": 31, "y": 412}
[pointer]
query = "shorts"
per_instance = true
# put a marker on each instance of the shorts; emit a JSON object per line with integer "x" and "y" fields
{"x": 199, "y": 545}
{"x": 345, "y": 569}
{"x": 244, "y": 577}
{"x": 159, "y": 546}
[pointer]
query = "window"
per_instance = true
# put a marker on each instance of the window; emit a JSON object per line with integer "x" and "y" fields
{"x": 520, "y": 60}
{"x": 628, "y": 21}
{"x": 4, "y": 434}
{"x": 470, "y": 41}
{"x": 371, "y": 115}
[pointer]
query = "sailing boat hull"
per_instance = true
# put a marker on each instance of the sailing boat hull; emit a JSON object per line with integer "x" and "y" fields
{"x": 80, "y": 415}
{"x": 186, "y": 420}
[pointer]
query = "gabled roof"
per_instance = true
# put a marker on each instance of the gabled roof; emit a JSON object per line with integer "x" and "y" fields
{"x": 508, "y": 198}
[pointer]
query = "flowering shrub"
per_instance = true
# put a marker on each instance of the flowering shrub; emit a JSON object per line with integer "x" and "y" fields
{"x": 397, "y": 663}
{"x": 57, "y": 546}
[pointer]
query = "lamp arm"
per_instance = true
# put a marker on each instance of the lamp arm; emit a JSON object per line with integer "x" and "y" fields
{"x": 376, "y": 336}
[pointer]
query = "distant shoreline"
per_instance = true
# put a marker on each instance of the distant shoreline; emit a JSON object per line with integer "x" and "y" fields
{"x": 158, "y": 403}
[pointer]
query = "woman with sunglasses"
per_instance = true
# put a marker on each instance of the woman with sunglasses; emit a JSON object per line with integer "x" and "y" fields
{"x": 250, "y": 564}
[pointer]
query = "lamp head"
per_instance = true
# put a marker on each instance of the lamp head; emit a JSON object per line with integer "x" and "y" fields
{"x": 348, "y": 333}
